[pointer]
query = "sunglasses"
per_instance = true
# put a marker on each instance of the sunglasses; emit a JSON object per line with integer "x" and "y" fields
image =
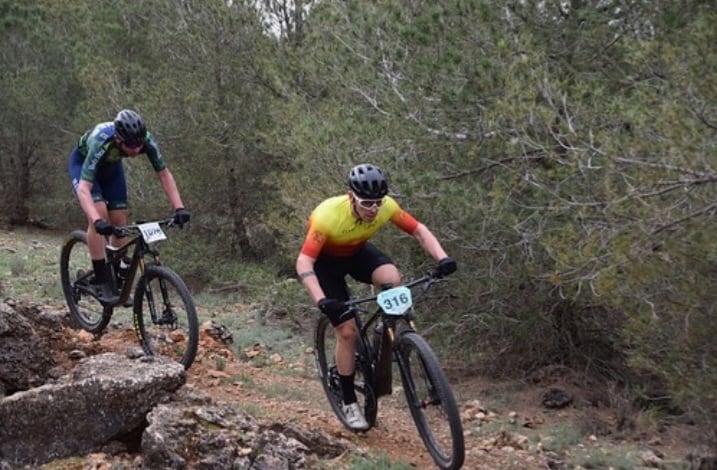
{"x": 134, "y": 145}
{"x": 368, "y": 203}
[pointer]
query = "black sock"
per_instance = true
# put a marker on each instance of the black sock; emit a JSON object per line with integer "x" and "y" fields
{"x": 98, "y": 265}
{"x": 347, "y": 388}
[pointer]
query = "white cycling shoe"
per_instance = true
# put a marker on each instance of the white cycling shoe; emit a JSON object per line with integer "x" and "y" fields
{"x": 354, "y": 417}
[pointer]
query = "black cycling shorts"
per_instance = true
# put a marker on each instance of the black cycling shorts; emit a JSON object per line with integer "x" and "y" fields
{"x": 331, "y": 272}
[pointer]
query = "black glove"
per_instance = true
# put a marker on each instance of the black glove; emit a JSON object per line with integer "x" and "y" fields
{"x": 446, "y": 266}
{"x": 331, "y": 306}
{"x": 103, "y": 227}
{"x": 181, "y": 216}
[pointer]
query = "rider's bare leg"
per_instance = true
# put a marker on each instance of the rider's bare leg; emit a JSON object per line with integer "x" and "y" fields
{"x": 386, "y": 274}
{"x": 118, "y": 218}
{"x": 345, "y": 347}
{"x": 95, "y": 241}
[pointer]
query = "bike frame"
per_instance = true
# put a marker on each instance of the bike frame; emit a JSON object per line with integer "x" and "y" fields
{"x": 379, "y": 365}
{"x": 427, "y": 390}
{"x": 140, "y": 248}
{"x": 161, "y": 298}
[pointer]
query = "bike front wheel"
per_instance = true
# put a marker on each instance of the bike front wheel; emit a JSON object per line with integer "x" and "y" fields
{"x": 76, "y": 273}
{"x": 165, "y": 316}
{"x": 431, "y": 401}
{"x": 324, "y": 354}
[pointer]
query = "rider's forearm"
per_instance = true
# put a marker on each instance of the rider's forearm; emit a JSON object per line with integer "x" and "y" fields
{"x": 170, "y": 188}
{"x": 429, "y": 242}
{"x": 305, "y": 271}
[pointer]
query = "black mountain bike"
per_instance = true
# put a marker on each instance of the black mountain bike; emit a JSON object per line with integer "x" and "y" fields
{"x": 164, "y": 315}
{"x": 388, "y": 334}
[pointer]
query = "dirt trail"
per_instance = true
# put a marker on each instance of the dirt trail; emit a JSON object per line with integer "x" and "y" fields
{"x": 507, "y": 437}
{"x": 289, "y": 393}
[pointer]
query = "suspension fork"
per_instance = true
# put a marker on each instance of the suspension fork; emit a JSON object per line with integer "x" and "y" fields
{"x": 151, "y": 303}
{"x": 148, "y": 293}
{"x": 162, "y": 288}
{"x": 403, "y": 366}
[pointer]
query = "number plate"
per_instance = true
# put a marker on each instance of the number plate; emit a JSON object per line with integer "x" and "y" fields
{"x": 396, "y": 301}
{"x": 152, "y": 232}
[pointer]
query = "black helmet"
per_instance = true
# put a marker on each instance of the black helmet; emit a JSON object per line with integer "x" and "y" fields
{"x": 129, "y": 127}
{"x": 368, "y": 181}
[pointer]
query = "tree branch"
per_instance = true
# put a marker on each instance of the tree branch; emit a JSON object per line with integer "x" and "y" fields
{"x": 704, "y": 210}
{"x": 663, "y": 166}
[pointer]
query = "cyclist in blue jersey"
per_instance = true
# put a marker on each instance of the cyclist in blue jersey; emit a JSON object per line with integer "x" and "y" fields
{"x": 98, "y": 181}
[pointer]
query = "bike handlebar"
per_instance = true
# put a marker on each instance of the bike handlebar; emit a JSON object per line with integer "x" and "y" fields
{"x": 123, "y": 231}
{"x": 428, "y": 280}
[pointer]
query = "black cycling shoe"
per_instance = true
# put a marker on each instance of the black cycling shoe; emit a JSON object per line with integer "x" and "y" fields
{"x": 104, "y": 292}
{"x": 128, "y": 303}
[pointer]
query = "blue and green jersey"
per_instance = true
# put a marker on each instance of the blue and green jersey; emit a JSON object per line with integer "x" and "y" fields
{"x": 98, "y": 147}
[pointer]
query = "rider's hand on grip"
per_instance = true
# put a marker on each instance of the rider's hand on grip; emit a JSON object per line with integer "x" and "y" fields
{"x": 103, "y": 227}
{"x": 331, "y": 306}
{"x": 181, "y": 216}
{"x": 446, "y": 266}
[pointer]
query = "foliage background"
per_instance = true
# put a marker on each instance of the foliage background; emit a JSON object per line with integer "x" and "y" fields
{"x": 563, "y": 152}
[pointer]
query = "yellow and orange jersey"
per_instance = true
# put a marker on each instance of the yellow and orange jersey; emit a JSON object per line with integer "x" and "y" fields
{"x": 335, "y": 231}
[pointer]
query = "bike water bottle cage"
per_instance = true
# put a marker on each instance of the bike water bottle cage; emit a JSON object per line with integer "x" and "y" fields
{"x": 123, "y": 268}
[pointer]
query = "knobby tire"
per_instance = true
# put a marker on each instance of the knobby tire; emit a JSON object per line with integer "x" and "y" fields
{"x": 431, "y": 401}
{"x": 86, "y": 311}
{"x": 176, "y": 334}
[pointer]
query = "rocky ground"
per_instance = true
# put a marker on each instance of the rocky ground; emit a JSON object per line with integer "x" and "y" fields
{"x": 507, "y": 426}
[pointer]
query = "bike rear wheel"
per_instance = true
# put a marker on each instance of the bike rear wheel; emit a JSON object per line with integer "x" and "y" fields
{"x": 324, "y": 353}
{"x": 165, "y": 316}
{"x": 76, "y": 272}
{"x": 431, "y": 401}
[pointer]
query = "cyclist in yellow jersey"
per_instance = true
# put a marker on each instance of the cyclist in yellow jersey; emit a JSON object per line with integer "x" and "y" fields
{"x": 337, "y": 245}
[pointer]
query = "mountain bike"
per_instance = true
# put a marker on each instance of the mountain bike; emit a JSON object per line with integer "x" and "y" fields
{"x": 388, "y": 335}
{"x": 163, "y": 312}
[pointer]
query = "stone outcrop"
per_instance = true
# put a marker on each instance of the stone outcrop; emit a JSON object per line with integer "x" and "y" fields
{"x": 217, "y": 436}
{"x": 105, "y": 398}
{"x": 25, "y": 358}
{"x": 129, "y": 406}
